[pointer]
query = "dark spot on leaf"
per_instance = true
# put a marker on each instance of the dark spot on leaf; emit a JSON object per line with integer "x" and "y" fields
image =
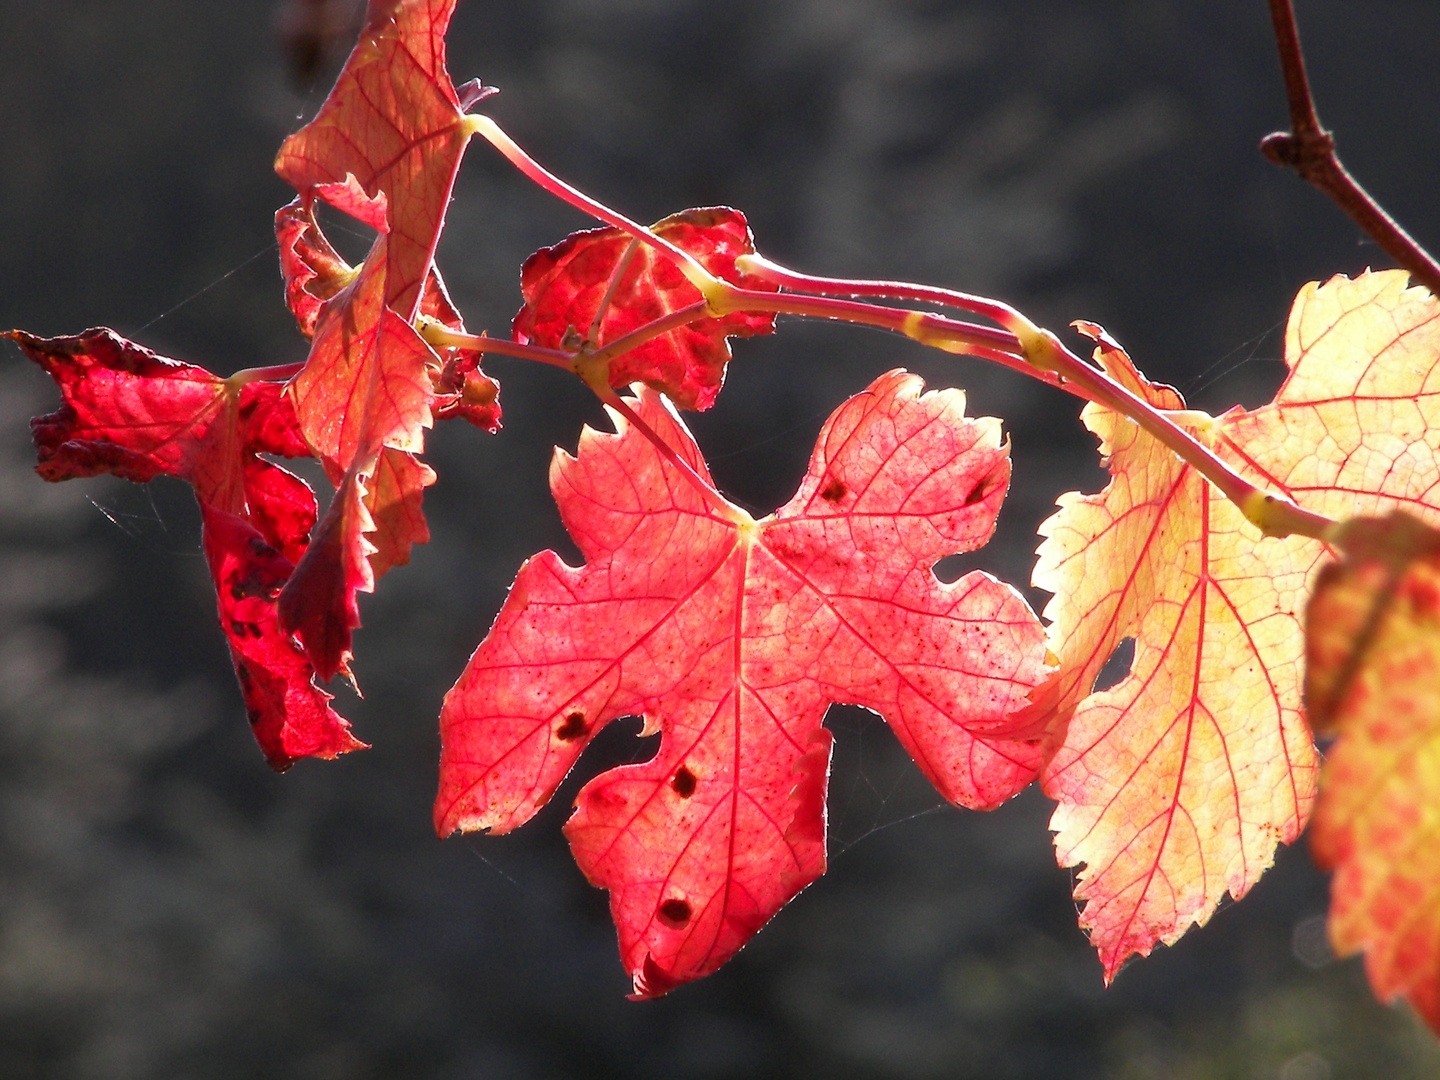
{"x": 675, "y": 913}
{"x": 834, "y": 491}
{"x": 573, "y": 727}
{"x": 684, "y": 783}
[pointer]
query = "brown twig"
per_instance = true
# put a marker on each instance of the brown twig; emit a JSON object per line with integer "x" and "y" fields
{"x": 1310, "y": 150}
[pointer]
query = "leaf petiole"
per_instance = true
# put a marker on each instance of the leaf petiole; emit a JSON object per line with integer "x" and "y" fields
{"x": 709, "y": 285}
{"x": 441, "y": 336}
{"x": 278, "y": 373}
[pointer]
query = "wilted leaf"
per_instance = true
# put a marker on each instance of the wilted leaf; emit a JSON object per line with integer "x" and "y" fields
{"x": 731, "y": 637}
{"x": 134, "y": 414}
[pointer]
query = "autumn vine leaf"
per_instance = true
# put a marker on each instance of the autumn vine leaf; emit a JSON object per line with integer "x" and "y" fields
{"x": 597, "y": 286}
{"x": 131, "y": 413}
{"x": 1373, "y": 681}
{"x": 1176, "y": 784}
{"x": 386, "y": 145}
{"x": 730, "y": 637}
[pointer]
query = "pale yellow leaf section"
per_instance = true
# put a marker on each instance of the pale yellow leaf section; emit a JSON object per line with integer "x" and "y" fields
{"x": 1356, "y": 427}
{"x": 1175, "y": 785}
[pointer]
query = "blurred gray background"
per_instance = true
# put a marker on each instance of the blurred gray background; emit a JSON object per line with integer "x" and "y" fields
{"x": 169, "y": 908}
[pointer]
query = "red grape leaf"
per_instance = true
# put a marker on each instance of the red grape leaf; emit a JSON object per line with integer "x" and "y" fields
{"x": 731, "y": 637}
{"x": 365, "y": 390}
{"x": 312, "y": 269}
{"x": 1373, "y": 679}
{"x": 132, "y": 413}
{"x": 1174, "y": 785}
{"x": 368, "y": 381}
{"x": 392, "y": 130}
{"x": 319, "y": 603}
{"x": 314, "y": 273}
{"x": 135, "y": 414}
{"x": 566, "y": 285}
{"x": 289, "y": 714}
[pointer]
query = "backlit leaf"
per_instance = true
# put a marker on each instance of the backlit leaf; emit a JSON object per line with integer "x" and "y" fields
{"x": 132, "y": 413}
{"x": 386, "y": 145}
{"x": 730, "y": 637}
{"x": 627, "y": 284}
{"x": 1175, "y": 785}
{"x": 1373, "y": 680}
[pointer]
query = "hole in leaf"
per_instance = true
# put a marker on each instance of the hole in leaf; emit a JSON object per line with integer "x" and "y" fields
{"x": 834, "y": 491}
{"x": 982, "y": 489}
{"x": 1117, "y": 667}
{"x": 675, "y": 913}
{"x": 573, "y": 727}
{"x": 953, "y": 567}
{"x": 684, "y": 783}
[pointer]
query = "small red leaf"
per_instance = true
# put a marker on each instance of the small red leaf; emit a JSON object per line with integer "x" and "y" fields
{"x": 315, "y": 273}
{"x": 392, "y": 127}
{"x": 393, "y": 502}
{"x": 289, "y": 714}
{"x": 319, "y": 604}
{"x": 367, "y": 383}
{"x": 628, "y": 284}
{"x": 731, "y": 636}
{"x": 312, "y": 269}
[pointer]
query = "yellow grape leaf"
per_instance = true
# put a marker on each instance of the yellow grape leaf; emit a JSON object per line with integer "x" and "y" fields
{"x": 1175, "y": 785}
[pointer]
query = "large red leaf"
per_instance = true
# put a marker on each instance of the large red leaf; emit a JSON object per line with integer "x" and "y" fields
{"x": 605, "y": 273}
{"x": 132, "y": 413}
{"x": 393, "y": 128}
{"x": 731, "y": 637}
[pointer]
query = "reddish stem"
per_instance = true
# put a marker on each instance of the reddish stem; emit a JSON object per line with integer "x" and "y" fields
{"x": 278, "y": 373}
{"x": 949, "y": 335}
{"x": 492, "y": 133}
{"x": 1310, "y": 150}
{"x": 994, "y": 310}
{"x": 651, "y": 330}
{"x": 1274, "y": 515}
{"x": 445, "y": 338}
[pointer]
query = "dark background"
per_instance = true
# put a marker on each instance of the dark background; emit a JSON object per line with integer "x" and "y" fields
{"x": 169, "y": 908}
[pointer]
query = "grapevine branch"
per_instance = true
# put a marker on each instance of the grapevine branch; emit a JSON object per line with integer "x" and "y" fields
{"x": 1021, "y": 345}
{"x": 1310, "y": 150}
